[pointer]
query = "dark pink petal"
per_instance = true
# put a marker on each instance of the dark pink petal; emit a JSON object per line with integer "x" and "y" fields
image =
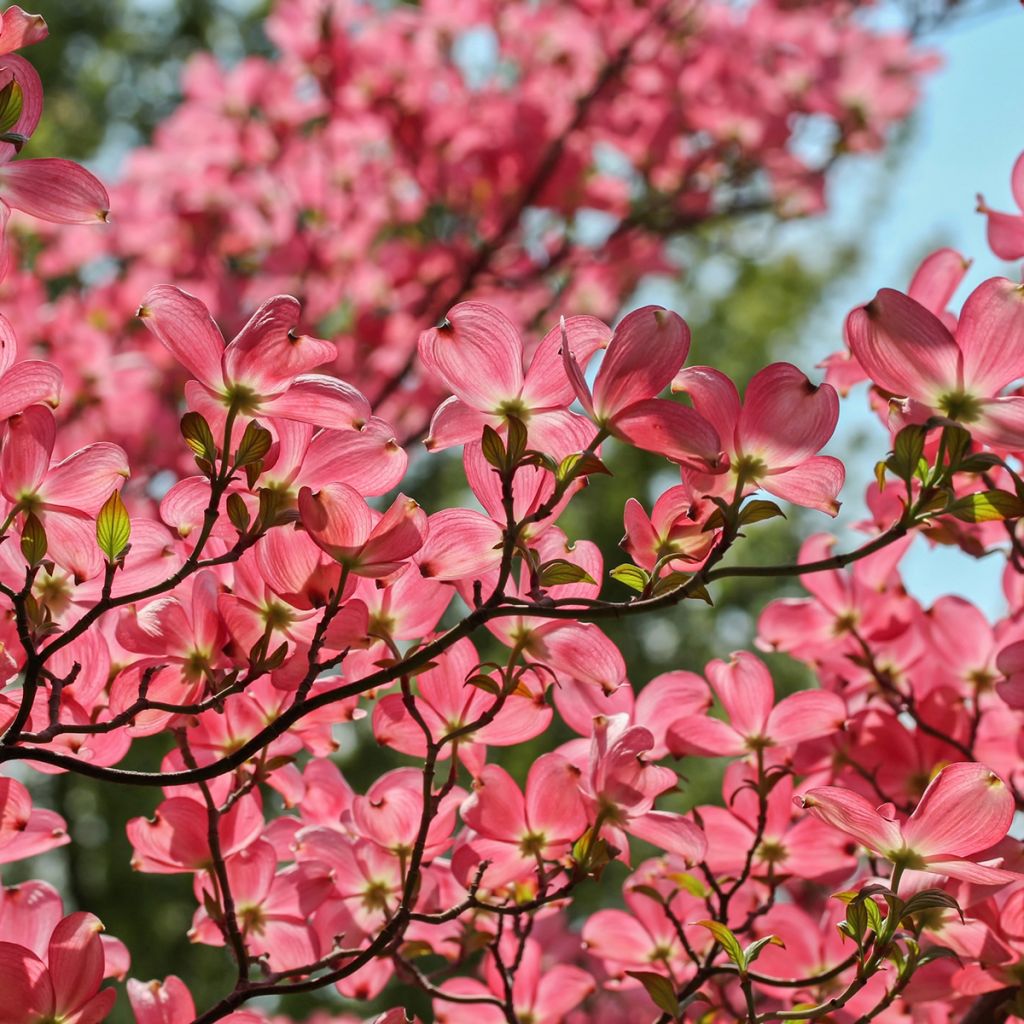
{"x": 646, "y": 351}
{"x": 96, "y": 1010}
{"x": 322, "y": 401}
{"x": 715, "y": 397}
{"x": 745, "y": 689}
{"x": 904, "y": 348}
{"x": 560, "y": 990}
{"x": 478, "y": 354}
{"x": 804, "y": 716}
{"x": 268, "y": 353}
{"x": 937, "y": 278}
{"x": 26, "y": 454}
{"x": 670, "y": 832}
{"x": 76, "y": 961}
{"x": 553, "y": 802}
{"x": 496, "y": 808}
{"x": 815, "y": 483}
{"x": 991, "y": 336}
{"x": 25, "y": 987}
{"x": 19, "y": 29}
{"x": 56, "y": 190}
{"x": 398, "y": 535}
{"x": 547, "y": 385}
{"x": 670, "y": 429}
{"x": 965, "y": 809}
{"x": 851, "y": 813}
{"x": 20, "y": 70}
{"x": 184, "y": 325}
{"x": 786, "y": 419}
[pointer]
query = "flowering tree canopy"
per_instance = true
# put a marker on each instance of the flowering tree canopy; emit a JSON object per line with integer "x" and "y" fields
{"x": 417, "y": 228}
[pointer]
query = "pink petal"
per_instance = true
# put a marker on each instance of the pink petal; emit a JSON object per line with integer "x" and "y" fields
{"x": 968, "y": 871}
{"x": 26, "y": 454}
{"x": 745, "y": 688}
{"x": 76, "y": 961}
{"x": 714, "y": 396}
{"x": 669, "y": 429}
{"x": 461, "y": 544}
{"x": 705, "y": 736}
{"x": 496, "y": 808}
{"x": 815, "y": 483}
{"x": 991, "y": 336}
{"x": 645, "y": 353}
{"x": 161, "y": 1002}
{"x": 322, "y": 401}
{"x": 785, "y": 418}
{"x": 1000, "y": 422}
{"x": 561, "y": 990}
{"x": 268, "y": 353}
{"x": 1005, "y": 234}
{"x": 19, "y": 69}
{"x": 19, "y": 29}
{"x": 25, "y": 985}
{"x": 336, "y": 518}
{"x": 547, "y": 385}
{"x": 965, "y": 809}
{"x": 29, "y": 383}
{"x": 1017, "y": 181}
{"x": 55, "y": 190}
{"x": 670, "y": 832}
{"x": 937, "y": 278}
{"x": 85, "y": 480}
{"x": 184, "y": 325}
{"x": 904, "y": 349}
{"x": 477, "y": 353}
{"x": 553, "y": 802}
{"x": 454, "y": 422}
{"x": 851, "y": 813}
{"x": 804, "y": 716}
{"x": 371, "y": 460}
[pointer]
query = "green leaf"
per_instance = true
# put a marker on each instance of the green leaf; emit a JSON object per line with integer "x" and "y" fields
{"x": 753, "y": 951}
{"x": 758, "y": 511}
{"x": 958, "y": 441}
{"x": 485, "y": 683}
{"x": 12, "y": 100}
{"x": 907, "y": 451}
{"x": 199, "y": 437}
{"x": 517, "y": 441}
{"x": 238, "y": 512}
{"x": 986, "y": 507}
{"x": 930, "y": 899}
{"x": 581, "y": 464}
{"x": 559, "y": 572}
{"x": 113, "y": 528}
{"x": 677, "y": 579}
{"x": 694, "y": 886}
{"x": 493, "y": 447}
{"x": 660, "y": 989}
{"x": 255, "y": 444}
{"x": 631, "y": 575}
{"x": 725, "y": 938}
{"x": 650, "y": 892}
{"x": 880, "y": 475}
{"x": 33, "y": 540}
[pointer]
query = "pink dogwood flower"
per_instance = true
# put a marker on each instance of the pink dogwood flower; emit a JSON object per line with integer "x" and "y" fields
{"x": 745, "y": 688}
{"x": 1006, "y": 230}
{"x": 908, "y": 352}
{"x": 26, "y": 382}
{"x": 263, "y": 370}
{"x": 965, "y": 810}
{"x": 773, "y": 437}
{"x": 18, "y": 29}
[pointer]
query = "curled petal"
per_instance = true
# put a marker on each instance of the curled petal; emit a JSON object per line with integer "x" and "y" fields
{"x": 669, "y": 429}
{"x": 851, "y": 813}
{"x": 670, "y": 832}
{"x": 55, "y": 190}
{"x": 813, "y": 484}
{"x": 184, "y": 325}
{"x": 937, "y": 278}
{"x": 322, "y": 401}
{"x": 28, "y": 383}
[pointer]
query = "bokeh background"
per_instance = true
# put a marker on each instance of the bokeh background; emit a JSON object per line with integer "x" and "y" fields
{"x": 752, "y": 292}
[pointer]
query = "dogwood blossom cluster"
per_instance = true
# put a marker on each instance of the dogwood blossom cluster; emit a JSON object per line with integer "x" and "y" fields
{"x": 387, "y": 164}
{"x": 861, "y": 862}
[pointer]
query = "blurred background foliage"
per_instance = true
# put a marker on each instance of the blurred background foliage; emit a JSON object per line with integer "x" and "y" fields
{"x": 111, "y": 72}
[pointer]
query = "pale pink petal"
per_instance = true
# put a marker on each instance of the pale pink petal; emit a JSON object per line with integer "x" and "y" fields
{"x": 478, "y": 354}
{"x": 161, "y": 1002}
{"x": 965, "y": 809}
{"x": 19, "y": 29}
{"x": 968, "y": 871}
{"x": 670, "y": 832}
{"x": 26, "y": 454}
{"x": 561, "y": 990}
{"x": 371, "y": 460}
{"x": 904, "y": 348}
{"x": 706, "y": 736}
{"x": 76, "y": 960}
{"x": 454, "y": 422}
{"x": 991, "y": 336}
{"x": 1005, "y": 233}
{"x": 714, "y": 396}
{"x": 184, "y": 325}
{"x": 461, "y": 544}
{"x": 813, "y": 484}
{"x": 336, "y": 518}
{"x": 1000, "y": 422}
{"x": 55, "y": 190}
{"x": 1017, "y": 181}
{"x": 785, "y": 418}
{"x": 582, "y": 651}
{"x": 322, "y": 401}
{"x": 804, "y": 716}
{"x": 646, "y": 351}
{"x": 553, "y": 802}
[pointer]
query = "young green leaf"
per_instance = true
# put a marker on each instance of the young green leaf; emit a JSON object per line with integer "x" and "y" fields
{"x": 113, "y": 527}
{"x": 33, "y": 540}
{"x": 559, "y": 572}
{"x": 725, "y": 938}
{"x": 660, "y": 989}
{"x": 631, "y": 575}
